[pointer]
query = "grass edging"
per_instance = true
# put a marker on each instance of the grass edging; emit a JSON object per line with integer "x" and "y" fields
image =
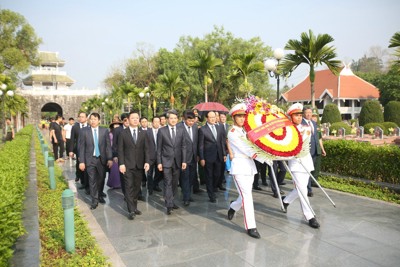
{"x": 51, "y": 224}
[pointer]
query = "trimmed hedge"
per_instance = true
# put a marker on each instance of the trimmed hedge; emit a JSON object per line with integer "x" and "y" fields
{"x": 51, "y": 222}
{"x": 14, "y": 169}
{"x": 392, "y": 112}
{"x": 331, "y": 114}
{"x": 363, "y": 160}
{"x": 371, "y": 111}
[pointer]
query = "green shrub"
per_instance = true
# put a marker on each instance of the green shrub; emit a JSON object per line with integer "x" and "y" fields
{"x": 331, "y": 114}
{"x": 337, "y": 125}
{"x": 371, "y": 111}
{"x": 14, "y": 168}
{"x": 51, "y": 221}
{"x": 363, "y": 160}
{"x": 353, "y": 121}
{"x": 392, "y": 112}
{"x": 388, "y": 125}
{"x": 373, "y": 125}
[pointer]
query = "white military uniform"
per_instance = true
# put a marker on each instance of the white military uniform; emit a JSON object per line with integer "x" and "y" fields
{"x": 242, "y": 170}
{"x": 301, "y": 176}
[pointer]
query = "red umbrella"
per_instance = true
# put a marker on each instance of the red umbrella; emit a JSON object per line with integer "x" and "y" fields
{"x": 211, "y": 106}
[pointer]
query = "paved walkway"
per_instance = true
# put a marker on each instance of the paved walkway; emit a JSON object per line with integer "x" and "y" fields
{"x": 359, "y": 232}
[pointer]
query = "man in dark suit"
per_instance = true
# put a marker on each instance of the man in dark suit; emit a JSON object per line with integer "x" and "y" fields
{"x": 94, "y": 148}
{"x": 171, "y": 157}
{"x": 75, "y": 130}
{"x": 57, "y": 139}
{"x": 212, "y": 153}
{"x": 116, "y": 134}
{"x": 133, "y": 160}
{"x": 152, "y": 182}
{"x": 315, "y": 148}
{"x": 189, "y": 175}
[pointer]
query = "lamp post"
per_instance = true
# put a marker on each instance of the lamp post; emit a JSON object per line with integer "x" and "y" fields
{"x": 272, "y": 67}
{"x": 3, "y": 94}
{"x": 141, "y": 95}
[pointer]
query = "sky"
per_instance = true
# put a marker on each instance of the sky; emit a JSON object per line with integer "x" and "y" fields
{"x": 95, "y": 36}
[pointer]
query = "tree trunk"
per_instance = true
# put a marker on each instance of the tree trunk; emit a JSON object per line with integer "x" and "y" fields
{"x": 312, "y": 79}
{"x": 205, "y": 89}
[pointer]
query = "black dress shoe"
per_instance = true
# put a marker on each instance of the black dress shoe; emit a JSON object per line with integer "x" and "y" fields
{"x": 186, "y": 203}
{"x": 313, "y": 223}
{"x": 213, "y": 200}
{"x": 175, "y": 207}
{"x": 198, "y": 191}
{"x": 102, "y": 194}
{"x": 275, "y": 195}
{"x": 169, "y": 211}
{"x": 222, "y": 188}
{"x": 138, "y": 212}
{"x": 257, "y": 188}
{"x": 231, "y": 212}
{"x": 101, "y": 200}
{"x": 93, "y": 206}
{"x": 310, "y": 194}
{"x": 253, "y": 233}
{"x": 131, "y": 215}
{"x": 283, "y": 183}
{"x": 285, "y": 205}
{"x": 157, "y": 189}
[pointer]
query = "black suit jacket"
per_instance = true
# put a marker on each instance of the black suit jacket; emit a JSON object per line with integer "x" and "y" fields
{"x": 169, "y": 153}
{"x": 75, "y": 130}
{"x": 211, "y": 150}
{"x": 191, "y": 146}
{"x": 86, "y": 145}
{"x": 152, "y": 145}
{"x": 130, "y": 154}
{"x": 116, "y": 133}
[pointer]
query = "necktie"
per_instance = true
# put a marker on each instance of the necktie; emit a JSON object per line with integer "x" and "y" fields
{"x": 96, "y": 144}
{"x": 214, "y": 132}
{"x": 190, "y": 133}
{"x": 312, "y": 128}
{"x": 82, "y": 125}
{"x": 134, "y": 136}
{"x": 173, "y": 135}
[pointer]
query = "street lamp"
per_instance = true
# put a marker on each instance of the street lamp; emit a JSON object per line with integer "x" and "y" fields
{"x": 272, "y": 67}
{"x": 3, "y": 94}
{"x": 141, "y": 95}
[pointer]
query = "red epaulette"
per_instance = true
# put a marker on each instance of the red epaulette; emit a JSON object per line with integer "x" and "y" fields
{"x": 254, "y": 156}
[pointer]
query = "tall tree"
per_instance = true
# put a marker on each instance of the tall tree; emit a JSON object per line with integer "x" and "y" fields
{"x": 395, "y": 43}
{"x": 18, "y": 43}
{"x": 313, "y": 51}
{"x": 243, "y": 66}
{"x": 205, "y": 65}
{"x": 171, "y": 86}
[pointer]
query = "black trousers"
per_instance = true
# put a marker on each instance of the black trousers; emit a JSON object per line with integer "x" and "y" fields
{"x": 58, "y": 150}
{"x": 96, "y": 172}
{"x": 132, "y": 181}
{"x": 187, "y": 180}
{"x": 212, "y": 171}
{"x": 261, "y": 172}
{"x": 154, "y": 176}
{"x": 280, "y": 173}
{"x": 82, "y": 175}
{"x": 171, "y": 179}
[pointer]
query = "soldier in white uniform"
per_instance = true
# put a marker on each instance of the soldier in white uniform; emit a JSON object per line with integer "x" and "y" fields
{"x": 242, "y": 170}
{"x": 300, "y": 175}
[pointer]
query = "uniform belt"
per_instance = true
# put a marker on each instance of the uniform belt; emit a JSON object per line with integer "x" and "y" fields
{"x": 241, "y": 156}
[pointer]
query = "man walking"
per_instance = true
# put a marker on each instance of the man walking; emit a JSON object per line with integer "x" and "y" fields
{"x": 95, "y": 155}
{"x": 171, "y": 157}
{"x": 57, "y": 139}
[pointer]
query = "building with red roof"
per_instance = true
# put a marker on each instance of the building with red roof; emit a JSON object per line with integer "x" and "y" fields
{"x": 348, "y": 91}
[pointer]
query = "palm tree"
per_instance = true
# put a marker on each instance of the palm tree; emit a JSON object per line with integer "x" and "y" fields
{"x": 171, "y": 84}
{"x": 243, "y": 66}
{"x": 395, "y": 42}
{"x": 205, "y": 65}
{"x": 313, "y": 51}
